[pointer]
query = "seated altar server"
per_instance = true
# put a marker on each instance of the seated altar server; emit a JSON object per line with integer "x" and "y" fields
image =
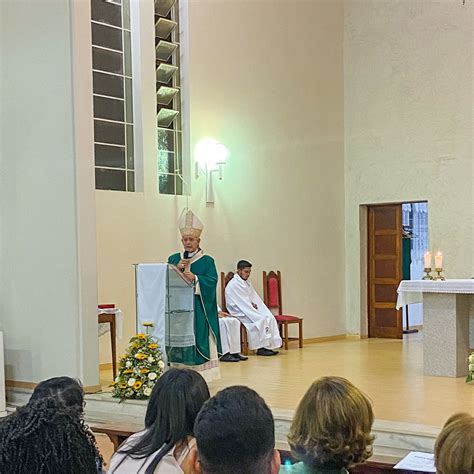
{"x": 200, "y": 270}
{"x": 243, "y": 302}
{"x": 230, "y": 337}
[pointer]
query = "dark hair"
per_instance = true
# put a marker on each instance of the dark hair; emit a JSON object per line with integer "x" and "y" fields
{"x": 177, "y": 397}
{"x": 45, "y": 437}
{"x": 241, "y": 264}
{"x": 65, "y": 389}
{"x": 235, "y": 432}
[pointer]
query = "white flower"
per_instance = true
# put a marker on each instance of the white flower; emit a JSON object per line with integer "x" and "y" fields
{"x": 131, "y": 382}
{"x": 161, "y": 364}
{"x": 471, "y": 358}
{"x": 147, "y": 391}
{"x": 128, "y": 363}
{"x": 117, "y": 379}
{"x": 151, "y": 359}
{"x": 152, "y": 376}
{"x": 471, "y": 367}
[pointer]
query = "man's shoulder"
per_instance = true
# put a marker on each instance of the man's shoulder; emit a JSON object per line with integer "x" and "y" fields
{"x": 207, "y": 259}
{"x": 175, "y": 256}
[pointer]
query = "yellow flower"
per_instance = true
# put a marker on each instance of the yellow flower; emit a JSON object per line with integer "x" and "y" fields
{"x": 144, "y": 371}
{"x": 137, "y": 385}
{"x": 123, "y": 385}
{"x": 148, "y": 324}
{"x": 140, "y": 336}
{"x": 128, "y": 371}
{"x": 140, "y": 356}
{"x": 134, "y": 346}
{"x": 152, "y": 346}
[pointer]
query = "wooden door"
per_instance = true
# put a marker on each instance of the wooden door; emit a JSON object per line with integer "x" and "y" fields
{"x": 385, "y": 270}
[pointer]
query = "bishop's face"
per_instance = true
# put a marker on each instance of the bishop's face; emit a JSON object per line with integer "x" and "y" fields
{"x": 190, "y": 243}
{"x": 244, "y": 273}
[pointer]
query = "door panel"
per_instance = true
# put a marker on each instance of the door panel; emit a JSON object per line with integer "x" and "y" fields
{"x": 385, "y": 270}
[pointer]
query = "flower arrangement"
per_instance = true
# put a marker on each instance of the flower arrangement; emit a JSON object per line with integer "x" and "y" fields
{"x": 139, "y": 368}
{"x": 470, "y": 369}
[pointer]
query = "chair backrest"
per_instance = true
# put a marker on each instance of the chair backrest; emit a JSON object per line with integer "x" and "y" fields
{"x": 272, "y": 290}
{"x": 225, "y": 278}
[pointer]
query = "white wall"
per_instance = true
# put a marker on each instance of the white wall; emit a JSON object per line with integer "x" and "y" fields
{"x": 408, "y": 124}
{"x": 47, "y": 254}
{"x": 265, "y": 80}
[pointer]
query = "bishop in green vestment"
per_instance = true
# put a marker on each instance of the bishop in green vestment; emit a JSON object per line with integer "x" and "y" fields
{"x": 200, "y": 270}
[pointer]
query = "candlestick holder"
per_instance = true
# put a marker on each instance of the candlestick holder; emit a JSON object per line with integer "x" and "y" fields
{"x": 439, "y": 277}
{"x": 428, "y": 276}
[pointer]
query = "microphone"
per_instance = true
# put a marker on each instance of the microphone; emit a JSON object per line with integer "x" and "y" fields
{"x": 185, "y": 256}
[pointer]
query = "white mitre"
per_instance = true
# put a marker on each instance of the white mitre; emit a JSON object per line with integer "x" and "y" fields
{"x": 190, "y": 224}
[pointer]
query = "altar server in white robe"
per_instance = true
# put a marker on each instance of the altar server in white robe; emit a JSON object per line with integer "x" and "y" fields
{"x": 243, "y": 302}
{"x": 230, "y": 337}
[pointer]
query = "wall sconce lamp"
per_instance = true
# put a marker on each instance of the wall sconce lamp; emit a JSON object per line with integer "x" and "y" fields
{"x": 210, "y": 157}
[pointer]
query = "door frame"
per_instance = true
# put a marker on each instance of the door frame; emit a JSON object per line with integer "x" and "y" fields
{"x": 364, "y": 258}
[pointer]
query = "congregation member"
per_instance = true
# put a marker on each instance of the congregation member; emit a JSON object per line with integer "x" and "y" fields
{"x": 235, "y": 434}
{"x": 164, "y": 446}
{"x": 199, "y": 270}
{"x": 67, "y": 390}
{"x": 47, "y": 437}
{"x": 230, "y": 337}
{"x": 454, "y": 447}
{"x": 243, "y": 303}
{"x": 331, "y": 429}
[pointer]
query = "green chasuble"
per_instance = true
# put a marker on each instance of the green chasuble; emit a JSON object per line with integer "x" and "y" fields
{"x": 406, "y": 258}
{"x": 206, "y": 321}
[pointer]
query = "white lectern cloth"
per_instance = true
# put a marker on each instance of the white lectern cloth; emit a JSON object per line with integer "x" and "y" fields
{"x": 151, "y": 298}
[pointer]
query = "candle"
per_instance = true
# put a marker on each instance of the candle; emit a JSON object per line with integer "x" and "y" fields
{"x": 439, "y": 260}
{"x": 427, "y": 258}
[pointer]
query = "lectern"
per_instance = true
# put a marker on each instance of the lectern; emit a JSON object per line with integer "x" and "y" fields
{"x": 165, "y": 298}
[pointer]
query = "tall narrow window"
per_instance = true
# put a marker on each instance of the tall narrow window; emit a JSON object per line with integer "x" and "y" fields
{"x": 168, "y": 97}
{"x": 113, "y": 101}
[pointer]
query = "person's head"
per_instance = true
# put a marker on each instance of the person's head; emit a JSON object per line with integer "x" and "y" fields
{"x": 332, "y": 424}
{"x": 454, "y": 447}
{"x": 46, "y": 437}
{"x": 190, "y": 228}
{"x": 235, "y": 433}
{"x": 190, "y": 243}
{"x": 175, "y": 401}
{"x": 65, "y": 389}
{"x": 244, "y": 269}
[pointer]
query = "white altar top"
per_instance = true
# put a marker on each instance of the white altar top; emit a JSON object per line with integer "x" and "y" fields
{"x": 411, "y": 291}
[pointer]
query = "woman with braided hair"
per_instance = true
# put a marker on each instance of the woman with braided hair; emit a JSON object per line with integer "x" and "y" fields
{"x": 67, "y": 390}
{"x": 46, "y": 437}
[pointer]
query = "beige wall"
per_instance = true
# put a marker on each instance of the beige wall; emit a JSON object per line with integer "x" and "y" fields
{"x": 408, "y": 124}
{"x": 48, "y": 289}
{"x": 266, "y": 81}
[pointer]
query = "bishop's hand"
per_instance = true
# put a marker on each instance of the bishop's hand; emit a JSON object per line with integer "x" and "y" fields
{"x": 189, "y": 276}
{"x": 183, "y": 264}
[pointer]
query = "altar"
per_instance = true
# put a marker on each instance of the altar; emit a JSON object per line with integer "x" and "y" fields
{"x": 446, "y": 315}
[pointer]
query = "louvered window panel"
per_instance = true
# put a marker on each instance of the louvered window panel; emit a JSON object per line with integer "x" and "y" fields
{"x": 168, "y": 97}
{"x": 112, "y": 95}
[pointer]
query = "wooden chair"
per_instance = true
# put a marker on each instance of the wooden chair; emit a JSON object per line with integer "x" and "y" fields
{"x": 272, "y": 298}
{"x": 244, "y": 343}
